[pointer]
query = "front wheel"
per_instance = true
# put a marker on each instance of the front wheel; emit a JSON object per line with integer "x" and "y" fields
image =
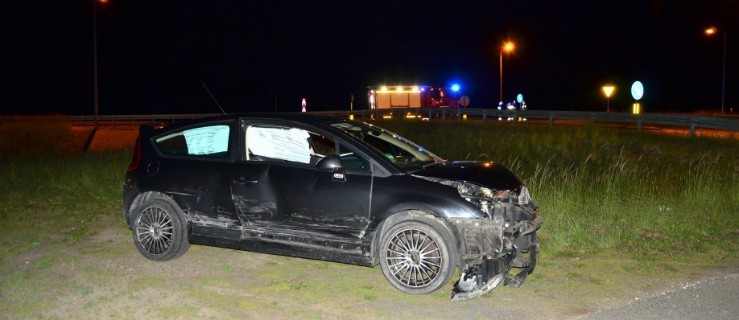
{"x": 160, "y": 230}
{"x": 416, "y": 257}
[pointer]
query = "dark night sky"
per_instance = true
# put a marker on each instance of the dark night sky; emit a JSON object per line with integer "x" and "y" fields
{"x": 154, "y": 55}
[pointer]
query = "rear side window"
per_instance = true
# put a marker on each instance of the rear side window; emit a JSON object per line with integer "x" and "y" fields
{"x": 210, "y": 141}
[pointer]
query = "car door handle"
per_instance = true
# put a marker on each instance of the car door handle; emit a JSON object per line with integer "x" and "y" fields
{"x": 339, "y": 175}
{"x": 244, "y": 181}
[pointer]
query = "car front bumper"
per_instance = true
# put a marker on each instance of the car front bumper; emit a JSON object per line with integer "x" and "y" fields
{"x": 490, "y": 250}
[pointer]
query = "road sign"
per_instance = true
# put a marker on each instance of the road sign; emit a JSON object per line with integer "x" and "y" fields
{"x": 464, "y": 101}
{"x": 637, "y": 90}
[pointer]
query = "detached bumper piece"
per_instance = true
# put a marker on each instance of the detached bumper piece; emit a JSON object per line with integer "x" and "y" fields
{"x": 490, "y": 251}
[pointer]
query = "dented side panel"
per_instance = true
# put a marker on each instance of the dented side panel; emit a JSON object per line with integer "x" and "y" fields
{"x": 291, "y": 197}
{"x": 252, "y": 193}
{"x": 201, "y": 189}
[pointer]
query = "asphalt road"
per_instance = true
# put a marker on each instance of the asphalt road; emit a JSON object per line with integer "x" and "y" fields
{"x": 714, "y": 298}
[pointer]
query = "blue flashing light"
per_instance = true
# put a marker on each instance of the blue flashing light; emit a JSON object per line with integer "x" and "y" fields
{"x": 455, "y": 87}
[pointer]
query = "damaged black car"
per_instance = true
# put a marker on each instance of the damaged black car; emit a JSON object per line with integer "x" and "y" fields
{"x": 330, "y": 189}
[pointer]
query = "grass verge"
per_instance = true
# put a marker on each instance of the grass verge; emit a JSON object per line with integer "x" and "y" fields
{"x": 599, "y": 189}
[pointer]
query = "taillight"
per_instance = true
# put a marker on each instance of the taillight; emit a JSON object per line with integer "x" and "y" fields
{"x": 136, "y": 158}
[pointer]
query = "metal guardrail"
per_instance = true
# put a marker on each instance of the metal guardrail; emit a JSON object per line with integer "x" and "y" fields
{"x": 677, "y": 120}
{"x": 135, "y": 119}
{"x": 144, "y": 117}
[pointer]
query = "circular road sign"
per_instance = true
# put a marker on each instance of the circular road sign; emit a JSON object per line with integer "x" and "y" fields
{"x": 637, "y": 90}
{"x": 464, "y": 101}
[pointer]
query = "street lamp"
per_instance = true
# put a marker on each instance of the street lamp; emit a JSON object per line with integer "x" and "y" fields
{"x": 710, "y": 32}
{"x": 507, "y": 47}
{"x": 95, "y": 57}
{"x": 608, "y": 91}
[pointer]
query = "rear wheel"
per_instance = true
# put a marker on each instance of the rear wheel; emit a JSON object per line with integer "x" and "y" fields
{"x": 416, "y": 257}
{"x": 160, "y": 230}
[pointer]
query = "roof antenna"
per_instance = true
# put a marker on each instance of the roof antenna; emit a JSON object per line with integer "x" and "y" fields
{"x": 214, "y": 99}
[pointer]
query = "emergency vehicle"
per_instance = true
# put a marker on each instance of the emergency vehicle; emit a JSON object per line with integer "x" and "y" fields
{"x": 386, "y": 97}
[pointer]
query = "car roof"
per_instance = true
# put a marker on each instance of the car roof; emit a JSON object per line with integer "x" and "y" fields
{"x": 314, "y": 120}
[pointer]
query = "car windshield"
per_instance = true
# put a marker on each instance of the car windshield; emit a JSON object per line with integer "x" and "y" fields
{"x": 400, "y": 151}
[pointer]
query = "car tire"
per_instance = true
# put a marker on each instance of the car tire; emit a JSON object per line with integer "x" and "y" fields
{"x": 417, "y": 257}
{"x": 160, "y": 230}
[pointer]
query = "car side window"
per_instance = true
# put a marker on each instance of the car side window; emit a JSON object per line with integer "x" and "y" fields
{"x": 209, "y": 142}
{"x": 352, "y": 161}
{"x": 321, "y": 145}
{"x": 287, "y": 144}
{"x": 295, "y": 145}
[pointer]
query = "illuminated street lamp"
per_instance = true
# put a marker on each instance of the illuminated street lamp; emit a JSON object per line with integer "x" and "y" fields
{"x": 507, "y": 48}
{"x": 608, "y": 91}
{"x": 710, "y": 32}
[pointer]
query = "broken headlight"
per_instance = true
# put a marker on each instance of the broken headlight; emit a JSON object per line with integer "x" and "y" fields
{"x": 481, "y": 196}
{"x": 524, "y": 197}
{"x": 486, "y": 198}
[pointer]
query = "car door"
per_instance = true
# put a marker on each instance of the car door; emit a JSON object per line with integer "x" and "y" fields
{"x": 289, "y": 197}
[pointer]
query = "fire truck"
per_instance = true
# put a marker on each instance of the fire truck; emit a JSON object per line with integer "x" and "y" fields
{"x": 386, "y": 97}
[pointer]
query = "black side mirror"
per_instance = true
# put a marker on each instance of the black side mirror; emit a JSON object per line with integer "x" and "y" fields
{"x": 331, "y": 162}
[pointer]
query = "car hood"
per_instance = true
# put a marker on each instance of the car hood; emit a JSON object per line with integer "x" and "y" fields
{"x": 487, "y": 174}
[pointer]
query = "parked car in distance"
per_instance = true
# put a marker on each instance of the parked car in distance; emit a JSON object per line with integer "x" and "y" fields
{"x": 330, "y": 189}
